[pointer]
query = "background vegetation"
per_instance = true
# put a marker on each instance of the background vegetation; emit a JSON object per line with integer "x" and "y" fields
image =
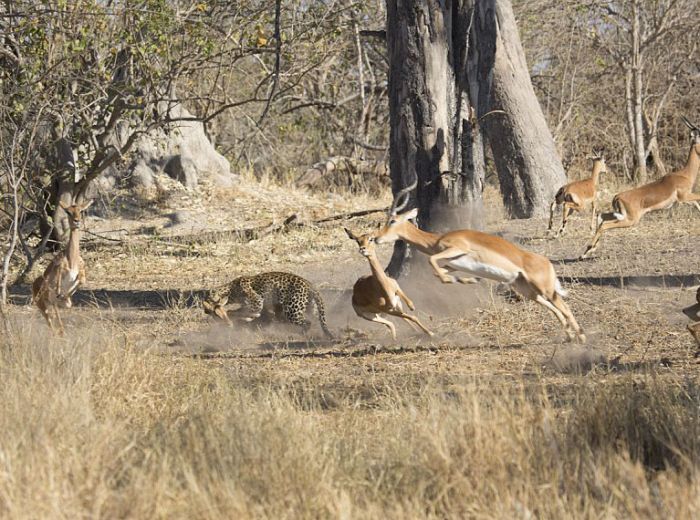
{"x": 132, "y": 415}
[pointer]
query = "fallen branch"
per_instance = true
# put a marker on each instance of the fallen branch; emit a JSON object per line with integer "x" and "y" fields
{"x": 322, "y": 169}
{"x": 247, "y": 234}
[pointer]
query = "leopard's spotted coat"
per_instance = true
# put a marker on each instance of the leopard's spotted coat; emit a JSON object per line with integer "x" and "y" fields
{"x": 290, "y": 295}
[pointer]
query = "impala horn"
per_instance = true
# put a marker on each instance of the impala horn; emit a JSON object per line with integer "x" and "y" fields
{"x": 689, "y": 124}
{"x": 399, "y": 204}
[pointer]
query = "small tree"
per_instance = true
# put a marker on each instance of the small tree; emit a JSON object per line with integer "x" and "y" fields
{"x": 645, "y": 39}
{"x": 83, "y": 80}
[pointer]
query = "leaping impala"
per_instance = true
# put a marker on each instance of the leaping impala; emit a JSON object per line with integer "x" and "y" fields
{"x": 631, "y": 205}
{"x": 378, "y": 293}
{"x": 578, "y": 195}
{"x": 483, "y": 256}
{"x": 64, "y": 274}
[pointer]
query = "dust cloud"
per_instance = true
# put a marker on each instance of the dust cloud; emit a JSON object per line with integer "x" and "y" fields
{"x": 436, "y": 303}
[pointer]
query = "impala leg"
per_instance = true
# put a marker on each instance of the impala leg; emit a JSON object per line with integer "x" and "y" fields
{"x": 551, "y": 215}
{"x": 594, "y": 214}
{"x": 441, "y": 272}
{"x": 562, "y": 312}
{"x": 61, "y": 330}
{"x": 405, "y": 298}
{"x": 41, "y": 304}
{"x": 690, "y": 197}
{"x": 464, "y": 279}
{"x": 412, "y": 319}
{"x": 605, "y": 225}
{"x": 378, "y": 319}
{"x": 58, "y": 284}
{"x": 566, "y": 213}
{"x": 562, "y": 306}
{"x": 545, "y": 303}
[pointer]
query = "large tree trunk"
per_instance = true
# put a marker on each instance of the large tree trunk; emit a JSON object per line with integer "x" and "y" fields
{"x": 529, "y": 168}
{"x": 439, "y": 85}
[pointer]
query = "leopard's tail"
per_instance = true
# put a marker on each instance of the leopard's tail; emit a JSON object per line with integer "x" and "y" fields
{"x": 320, "y": 307}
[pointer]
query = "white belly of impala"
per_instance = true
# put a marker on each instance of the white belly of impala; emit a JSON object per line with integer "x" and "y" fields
{"x": 396, "y": 302}
{"x": 481, "y": 270}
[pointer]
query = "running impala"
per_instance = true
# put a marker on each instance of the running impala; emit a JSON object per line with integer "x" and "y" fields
{"x": 481, "y": 255}
{"x": 578, "y": 195}
{"x": 631, "y": 205}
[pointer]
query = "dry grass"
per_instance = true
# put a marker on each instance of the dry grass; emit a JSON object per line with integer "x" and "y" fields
{"x": 155, "y": 413}
{"x": 96, "y": 427}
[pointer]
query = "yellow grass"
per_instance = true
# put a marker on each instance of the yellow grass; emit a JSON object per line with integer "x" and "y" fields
{"x": 95, "y": 427}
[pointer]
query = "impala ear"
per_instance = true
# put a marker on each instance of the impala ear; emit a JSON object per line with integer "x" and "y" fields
{"x": 223, "y": 301}
{"x": 350, "y": 234}
{"x": 86, "y": 205}
{"x": 207, "y": 306}
{"x": 410, "y": 215}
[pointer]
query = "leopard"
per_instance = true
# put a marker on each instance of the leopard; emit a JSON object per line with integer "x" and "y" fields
{"x": 290, "y": 296}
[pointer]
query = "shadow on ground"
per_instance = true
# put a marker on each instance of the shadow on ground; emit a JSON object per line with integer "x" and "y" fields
{"x": 637, "y": 282}
{"x": 161, "y": 299}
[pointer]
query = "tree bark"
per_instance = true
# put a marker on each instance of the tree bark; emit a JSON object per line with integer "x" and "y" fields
{"x": 528, "y": 165}
{"x": 640, "y": 173}
{"x": 439, "y": 85}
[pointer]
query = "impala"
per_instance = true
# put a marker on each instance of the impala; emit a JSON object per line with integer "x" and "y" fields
{"x": 578, "y": 195}
{"x": 64, "y": 274}
{"x": 483, "y": 256}
{"x": 631, "y": 205}
{"x": 378, "y": 293}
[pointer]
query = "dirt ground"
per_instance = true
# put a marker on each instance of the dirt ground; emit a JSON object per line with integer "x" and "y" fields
{"x": 148, "y": 273}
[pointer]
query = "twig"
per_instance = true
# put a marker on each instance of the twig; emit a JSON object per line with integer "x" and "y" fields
{"x": 106, "y": 238}
{"x": 352, "y": 214}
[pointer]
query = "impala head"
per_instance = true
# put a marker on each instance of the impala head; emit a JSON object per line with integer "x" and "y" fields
{"x": 395, "y": 226}
{"x": 74, "y": 212}
{"x": 694, "y": 134}
{"x": 395, "y": 222}
{"x": 214, "y": 307}
{"x": 365, "y": 242}
{"x": 599, "y": 159}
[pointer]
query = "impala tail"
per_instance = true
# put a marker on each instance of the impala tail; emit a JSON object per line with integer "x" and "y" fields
{"x": 559, "y": 197}
{"x": 559, "y": 289}
{"x": 619, "y": 210}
